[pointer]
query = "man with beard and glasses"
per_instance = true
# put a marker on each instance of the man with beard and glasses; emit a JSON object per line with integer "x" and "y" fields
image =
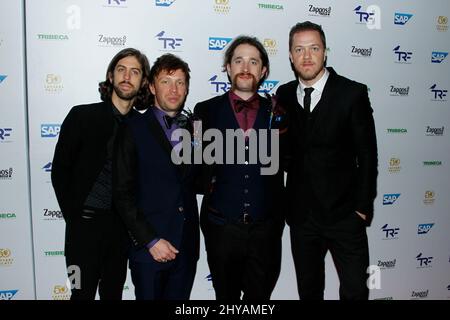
{"x": 241, "y": 214}
{"x": 96, "y": 239}
{"x": 331, "y": 181}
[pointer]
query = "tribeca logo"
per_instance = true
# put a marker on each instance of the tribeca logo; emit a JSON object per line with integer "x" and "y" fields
{"x": 2, "y": 77}
{"x": 271, "y": 46}
{"x": 169, "y": 43}
{"x": 439, "y": 94}
{"x": 432, "y": 163}
{"x": 424, "y": 228}
{"x": 442, "y": 23}
{"x": 270, "y": 6}
{"x": 397, "y": 130}
{"x": 6, "y": 174}
{"x": 50, "y": 130}
{"x": 7, "y": 215}
{"x": 52, "y": 214}
{"x": 429, "y": 197}
{"x": 57, "y": 37}
{"x": 389, "y": 264}
{"x": 438, "y": 57}
{"x": 419, "y": 294}
{"x": 424, "y": 262}
{"x": 222, "y": 6}
{"x": 431, "y": 131}
{"x": 390, "y": 233}
{"x": 8, "y": 294}
{"x": 4, "y": 134}
{"x": 218, "y": 43}
{"x": 402, "y": 18}
{"x": 399, "y": 91}
{"x": 402, "y": 56}
{"x": 390, "y": 198}
{"x": 394, "y": 165}
{"x": 108, "y": 41}
{"x": 361, "y": 52}
{"x": 164, "y": 3}
{"x": 115, "y": 3}
{"x": 47, "y": 167}
{"x": 318, "y": 11}
{"x": 53, "y": 253}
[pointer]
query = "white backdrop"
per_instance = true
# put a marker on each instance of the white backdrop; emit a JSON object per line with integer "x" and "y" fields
{"x": 62, "y": 49}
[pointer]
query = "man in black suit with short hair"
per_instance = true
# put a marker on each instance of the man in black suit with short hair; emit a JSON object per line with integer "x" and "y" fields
{"x": 332, "y": 173}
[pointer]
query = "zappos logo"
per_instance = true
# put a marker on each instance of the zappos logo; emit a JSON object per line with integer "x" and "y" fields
{"x": 434, "y": 131}
{"x": 424, "y": 228}
{"x": 2, "y": 77}
{"x": 50, "y": 130}
{"x": 438, "y": 57}
{"x": 390, "y": 198}
{"x": 438, "y": 94}
{"x": 47, "y": 167}
{"x": 218, "y": 43}
{"x": 402, "y": 18}
{"x": 169, "y": 43}
{"x": 8, "y": 294}
{"x": 164, "y": 3}
{"x": 319, "y": 11}
{"x": 267, "y": 86}
{"x": 389, "y": 232}
{"x": 219, "y": 86}
{"x": 419, "y": 294}
{"x": 402, "y": 56}
{"x": 399, "y": 91}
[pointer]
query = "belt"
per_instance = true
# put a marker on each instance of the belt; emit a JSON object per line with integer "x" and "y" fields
{"x": 245, "y": 218}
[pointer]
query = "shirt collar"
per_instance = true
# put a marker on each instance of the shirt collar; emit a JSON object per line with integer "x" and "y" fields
{"x": 318, "y": 86}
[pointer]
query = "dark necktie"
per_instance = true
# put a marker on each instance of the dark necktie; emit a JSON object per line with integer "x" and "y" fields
{"x": 307, "y": 100}
{"x": 179, "y": 119}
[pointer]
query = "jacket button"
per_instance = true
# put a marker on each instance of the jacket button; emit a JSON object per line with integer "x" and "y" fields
{"x": 245, "y": 190}
{"x": 180, "y": 209}
{"x": 246, "y": 176}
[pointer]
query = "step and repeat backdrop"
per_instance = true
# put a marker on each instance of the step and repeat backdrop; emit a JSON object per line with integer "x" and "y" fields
{"x": 54, "y": 53}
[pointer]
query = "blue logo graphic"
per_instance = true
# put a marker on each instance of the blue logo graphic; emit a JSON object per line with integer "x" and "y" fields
{"x": 424, "y": 228}
{"x": 390, "y": 198}
{"x": 2, "y": 77}
{"x": 267, "y": 86}
{"x": 4, "y": 133}
{"x": 7, "y": 295}
{"x": 448, "y": 287}
{"x": 47, "y": 167}
{"x": 390, "y": 232}
{"x": 364, "y": 17}
{"x": 216, "y": 43}
{"x": 402, "y": 56}
{"x": 208, "y": 277}
{"x": 439, "y": 94}
{"x": 401, "y": 18}
{"x": 50, "y": 130}
{"x": 219, "y": 86}
{"x": 164, "y": 3}
{"x": 438, "y": 57}
{"x": 424, "y": 261}
{"x": 169, "y": 43}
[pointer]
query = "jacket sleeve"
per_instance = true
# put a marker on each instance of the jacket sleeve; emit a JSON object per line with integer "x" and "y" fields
{"x": 125, "y": 185}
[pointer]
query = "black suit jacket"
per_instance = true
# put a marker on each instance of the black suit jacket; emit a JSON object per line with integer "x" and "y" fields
{"x": 80, "y": 154}
{"x": 333, "y": 164}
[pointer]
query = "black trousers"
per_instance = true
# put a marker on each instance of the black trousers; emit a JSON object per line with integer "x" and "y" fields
{"x": 347, "y": 242}
{"x": 96, "y": 256}
{"x": 244, "y": 259}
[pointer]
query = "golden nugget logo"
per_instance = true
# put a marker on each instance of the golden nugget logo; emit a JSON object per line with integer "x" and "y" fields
{"x": 271, "y": 46}
{"x": 442, "y": 23}
{"x": 60, "y": 293}
{"x": 429, "y": 197}
{"x": 53, "y": 83}
{"x": 5, "y": 257}
{"x": 394, "y": 165}
{"x": 222, "y": 6}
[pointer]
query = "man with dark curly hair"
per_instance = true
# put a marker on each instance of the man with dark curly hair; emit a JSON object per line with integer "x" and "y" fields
{"x": 96, "y": 239}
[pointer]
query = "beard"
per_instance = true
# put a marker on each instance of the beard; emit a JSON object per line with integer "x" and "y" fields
{"x": 125, "y": 96}
{"x": 254, "y": 85}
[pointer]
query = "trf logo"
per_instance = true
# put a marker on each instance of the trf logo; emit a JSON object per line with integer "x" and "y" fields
{"x": 364, "y": 17}
{"x": 219, "y": 86}
{"x": 47, "y": 167}
{"x": 4, "y": 133}
{"x": 390, "y": 233}
{"x": 401, "y": 18}
{"x": 168, "y": 42}
{"x": 402, "y": 56}
{"x": 115, "y": 2}
{"x": 438, "y": 57}
{"x": 424, "y": 261}
{"x": 439, "y": 94}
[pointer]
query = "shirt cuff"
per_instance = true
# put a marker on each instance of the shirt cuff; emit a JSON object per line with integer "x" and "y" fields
{"x": 152, "y": 243}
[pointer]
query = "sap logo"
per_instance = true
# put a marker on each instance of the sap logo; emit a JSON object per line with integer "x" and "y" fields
{"x": 364, "y": 17}
{"x": 390, "y": 232}
{"x": 2, "y": 77}
{"x": 438, "y": 57}
{"x": 424, "y": 261}
{"x": 164, "y": 3}
{"x": 267, "y": 86}
{"x": 116, "y": 2}
{"x": 50, "y": 130}
{"x": 169, "y": 43}
{"x": 216, "y": 43}
{"x": 424, "y": 228}
{"x": 7, "y": 295}
{"x": 389, "y": 199}
{"x": 4, "y": 133}
{"x": 47, "y": 167}
{"x": 402, "y": 56}
{"x": 438, "y": 93}
{"x": 419, "y": 294}
{"x": 219, "y": 86}
{"x": 401, "y": 18}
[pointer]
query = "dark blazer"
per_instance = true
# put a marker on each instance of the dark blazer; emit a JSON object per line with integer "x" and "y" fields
{"x": 333, "y": 165}
{"x": 155, "y": 197}
{"x": 80, "y": 154}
